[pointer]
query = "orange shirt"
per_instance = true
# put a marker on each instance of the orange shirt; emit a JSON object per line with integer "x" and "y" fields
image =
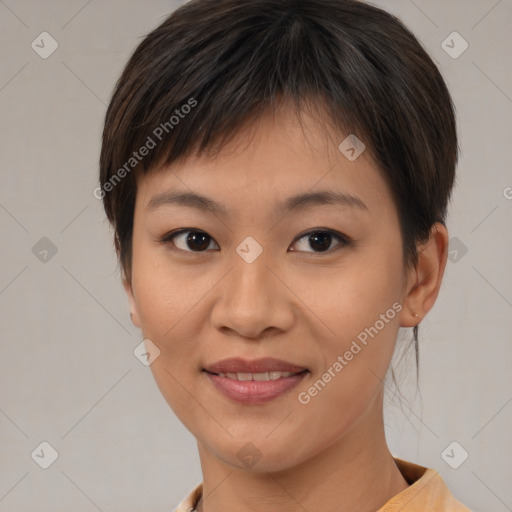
{"x": 427, "y": 492}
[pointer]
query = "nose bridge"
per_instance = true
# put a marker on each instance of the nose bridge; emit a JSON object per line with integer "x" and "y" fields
{"x": 252, "y": 299}
{"x": 252, "y": 278}
{"x": 250, "y": 288}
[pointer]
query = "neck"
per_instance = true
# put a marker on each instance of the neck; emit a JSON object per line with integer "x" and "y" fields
{"x": 357, "y": 472}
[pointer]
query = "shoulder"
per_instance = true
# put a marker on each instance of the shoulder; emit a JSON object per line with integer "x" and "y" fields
{"x": 427, "y": 492}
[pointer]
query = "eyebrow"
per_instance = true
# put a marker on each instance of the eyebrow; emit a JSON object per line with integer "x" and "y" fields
{"x": 299, "y": 201}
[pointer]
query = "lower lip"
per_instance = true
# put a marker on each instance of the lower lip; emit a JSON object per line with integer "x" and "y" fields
{"x": 254, "y": 391}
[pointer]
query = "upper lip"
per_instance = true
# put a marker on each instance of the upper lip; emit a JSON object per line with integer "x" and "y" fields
{"x": 265, "y": 364}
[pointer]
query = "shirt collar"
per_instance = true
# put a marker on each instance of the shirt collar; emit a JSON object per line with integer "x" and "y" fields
{"x": 426, "y": 492}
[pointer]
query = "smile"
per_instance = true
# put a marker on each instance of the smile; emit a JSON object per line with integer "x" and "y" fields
{"x": 257, "y": 376}
{"x": 255, "y": 388}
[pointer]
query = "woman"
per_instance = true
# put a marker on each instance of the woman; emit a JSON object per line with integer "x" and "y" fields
{"x": 277, "y": 173}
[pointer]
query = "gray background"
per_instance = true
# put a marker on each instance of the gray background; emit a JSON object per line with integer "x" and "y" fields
{"x": 68, "y": 375}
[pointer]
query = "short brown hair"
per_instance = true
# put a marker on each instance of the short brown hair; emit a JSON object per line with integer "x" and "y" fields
{"x": 229, "y": 61}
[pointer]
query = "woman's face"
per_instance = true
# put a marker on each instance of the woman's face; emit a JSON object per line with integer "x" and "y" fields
{"x": 318, "y": 286}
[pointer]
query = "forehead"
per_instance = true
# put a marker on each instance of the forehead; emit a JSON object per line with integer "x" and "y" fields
{"x": 272, "y": 161}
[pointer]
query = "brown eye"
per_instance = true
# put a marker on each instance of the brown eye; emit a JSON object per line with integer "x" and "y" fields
{"x": 321, "y": 241}
{"x": 190, "y": 240}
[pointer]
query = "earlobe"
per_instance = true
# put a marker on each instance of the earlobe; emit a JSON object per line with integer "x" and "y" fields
{"x": 425, "y": 279}
{"x": 134, "y": 315}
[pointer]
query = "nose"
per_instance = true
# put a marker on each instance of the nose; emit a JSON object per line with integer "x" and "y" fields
{"x": 253, "y": 301}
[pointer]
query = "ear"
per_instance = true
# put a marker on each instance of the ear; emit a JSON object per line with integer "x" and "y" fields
{"x": 134, "y": 312}
{"x": 424, "y": 280}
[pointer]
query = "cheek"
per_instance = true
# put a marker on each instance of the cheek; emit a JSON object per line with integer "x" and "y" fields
{"x": 360, "y": 305}
{"x": 353, "y": 296}
{"x": 354, "y": 361}
{"x": 165, "y": 303}
{"x": 164, "y": 292}
{"x": 165, "y": 299}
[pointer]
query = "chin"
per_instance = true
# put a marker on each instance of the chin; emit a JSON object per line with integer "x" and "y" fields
{"x": 259, "y": 456}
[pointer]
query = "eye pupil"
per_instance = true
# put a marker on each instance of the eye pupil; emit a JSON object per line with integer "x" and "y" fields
{"x": 195, "y": 237}
{"x": 323, "y": 240}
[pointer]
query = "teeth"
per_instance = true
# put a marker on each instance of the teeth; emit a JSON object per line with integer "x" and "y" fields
{"x": 260, "y": 376}
{"x": 257, "y": 376}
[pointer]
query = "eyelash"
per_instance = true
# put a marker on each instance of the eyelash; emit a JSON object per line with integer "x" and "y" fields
{"x": 342, "y": 239}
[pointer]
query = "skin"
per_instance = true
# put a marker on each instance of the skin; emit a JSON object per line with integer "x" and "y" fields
{"x": 294, "y": 302}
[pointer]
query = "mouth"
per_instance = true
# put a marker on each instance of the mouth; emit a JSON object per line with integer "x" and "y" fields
{"x": 254, "y": 382}
{"x": 263, "y": 365}
{"x": 260, "y": 376}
